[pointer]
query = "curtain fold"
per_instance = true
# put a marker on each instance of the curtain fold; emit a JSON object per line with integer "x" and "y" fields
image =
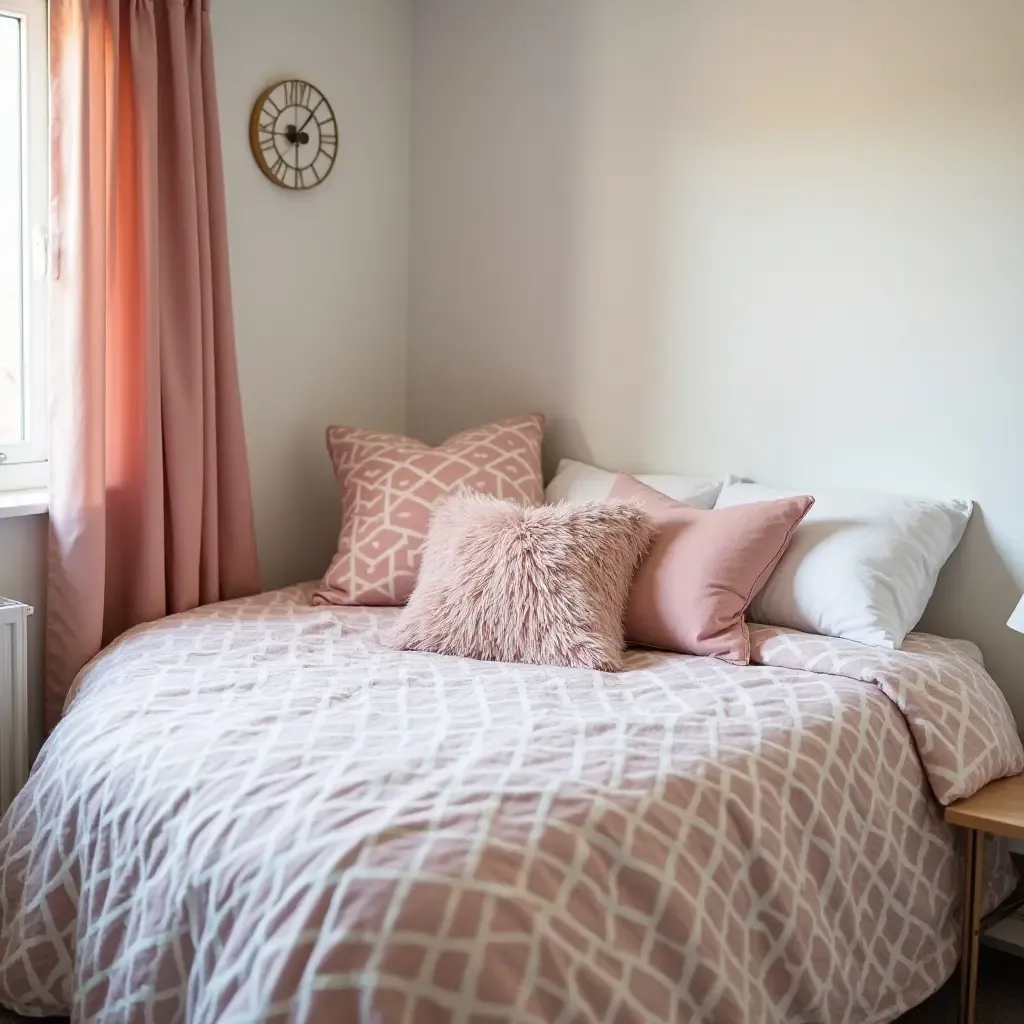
{"x": 150, "y": 499}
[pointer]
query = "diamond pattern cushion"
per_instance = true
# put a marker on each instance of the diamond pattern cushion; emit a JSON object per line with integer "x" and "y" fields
{"x": 389, "y": 486}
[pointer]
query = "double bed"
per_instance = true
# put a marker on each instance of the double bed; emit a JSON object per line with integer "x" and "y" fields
{"x": 258, "y": 812}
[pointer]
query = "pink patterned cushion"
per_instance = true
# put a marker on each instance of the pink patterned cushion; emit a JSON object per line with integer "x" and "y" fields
{"x": 542, "y": 586}
{"x": 704, "y": 569}
{"x": 389, "y": 486}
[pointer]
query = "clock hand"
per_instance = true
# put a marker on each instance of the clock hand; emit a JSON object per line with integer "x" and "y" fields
{"x": 295, "y": 139}
{"x": 311, "y": 113}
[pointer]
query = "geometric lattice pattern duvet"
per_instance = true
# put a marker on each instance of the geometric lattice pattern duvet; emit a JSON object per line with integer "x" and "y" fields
{"x": 257, "y": 812}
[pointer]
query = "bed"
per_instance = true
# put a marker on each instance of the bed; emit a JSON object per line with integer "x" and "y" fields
{"x": 255, "y": 811}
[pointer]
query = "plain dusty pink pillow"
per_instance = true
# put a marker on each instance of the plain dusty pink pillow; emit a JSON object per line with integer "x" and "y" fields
{"x": 543, "y": 586}
{"x": 390, "y": 485}
{"x": 703, "y": 570}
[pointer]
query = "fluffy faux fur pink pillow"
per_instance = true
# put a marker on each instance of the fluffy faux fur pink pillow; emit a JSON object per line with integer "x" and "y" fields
{"x": 546, "y": 586}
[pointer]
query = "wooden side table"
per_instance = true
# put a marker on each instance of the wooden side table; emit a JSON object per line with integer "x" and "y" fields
{"x": 997, "y": 809}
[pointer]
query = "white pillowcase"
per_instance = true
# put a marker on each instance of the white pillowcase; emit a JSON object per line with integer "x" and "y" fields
{"x": 576, "y": 482}
{"x": 860, "y": 566}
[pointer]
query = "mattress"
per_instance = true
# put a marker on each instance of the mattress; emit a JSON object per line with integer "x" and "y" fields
{"x": 255, "y": 811}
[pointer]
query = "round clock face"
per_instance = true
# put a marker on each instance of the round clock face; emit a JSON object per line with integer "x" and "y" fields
{"x": 294, "y": 135}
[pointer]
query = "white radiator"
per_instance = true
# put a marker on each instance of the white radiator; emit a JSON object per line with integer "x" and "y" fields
{"x": 14, "y": 729}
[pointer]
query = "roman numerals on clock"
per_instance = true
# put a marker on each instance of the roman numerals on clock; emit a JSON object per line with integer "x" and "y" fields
{"x": 293, "y": 135}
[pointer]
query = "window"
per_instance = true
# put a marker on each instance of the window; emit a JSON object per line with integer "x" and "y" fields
{"x": 24, "y": 197}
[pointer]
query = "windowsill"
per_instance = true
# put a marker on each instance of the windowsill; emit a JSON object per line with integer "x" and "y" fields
{"x": 23, "y": 503}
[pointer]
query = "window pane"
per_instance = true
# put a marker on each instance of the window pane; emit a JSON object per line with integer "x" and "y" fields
{"x": 12, "y": 427}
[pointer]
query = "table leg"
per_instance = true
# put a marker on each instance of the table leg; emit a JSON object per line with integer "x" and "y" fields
{"x": 970, "y": 930}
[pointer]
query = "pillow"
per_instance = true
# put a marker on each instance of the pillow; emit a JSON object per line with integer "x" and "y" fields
{"x": 703, "y": 570}
{"x": 544, "y": 586}
{"x": 576, "y": 481}
{"x": 389, "y": 486}
{"x": 860, "y": 566}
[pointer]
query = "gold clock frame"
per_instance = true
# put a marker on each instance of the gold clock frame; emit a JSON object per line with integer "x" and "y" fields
{"x": 254, "y": 135}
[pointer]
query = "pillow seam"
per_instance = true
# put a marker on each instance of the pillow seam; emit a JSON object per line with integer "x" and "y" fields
{"x": 776, "y": 558}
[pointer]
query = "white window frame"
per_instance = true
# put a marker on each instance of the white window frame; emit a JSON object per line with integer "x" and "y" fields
{"x": 24, "y": 465}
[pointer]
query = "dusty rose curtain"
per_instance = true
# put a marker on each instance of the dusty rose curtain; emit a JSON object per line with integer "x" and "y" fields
{"x": 150, "y": 501}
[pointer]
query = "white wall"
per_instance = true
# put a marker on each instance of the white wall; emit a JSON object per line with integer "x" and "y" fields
{"x": 23, "y": 578}
{"x": 321, "y": 278}
{"x": 782, "y": 239}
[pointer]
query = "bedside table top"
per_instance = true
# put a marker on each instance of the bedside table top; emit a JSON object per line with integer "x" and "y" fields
{"x": 997, "y": 808}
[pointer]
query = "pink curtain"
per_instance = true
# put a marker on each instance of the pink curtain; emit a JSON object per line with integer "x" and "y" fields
{"x": 150, "y": 501}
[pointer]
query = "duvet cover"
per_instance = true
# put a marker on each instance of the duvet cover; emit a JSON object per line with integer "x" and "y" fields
{"x": 257, "y": 812}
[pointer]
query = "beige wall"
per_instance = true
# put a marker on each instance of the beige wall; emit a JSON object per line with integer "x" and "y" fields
{"x": 320, "y": 278}
{"x": 784, "y": 240}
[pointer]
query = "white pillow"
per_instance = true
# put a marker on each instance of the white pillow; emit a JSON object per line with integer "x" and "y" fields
{"x": 860, "y": 566}
{"x": 576, "y": 482}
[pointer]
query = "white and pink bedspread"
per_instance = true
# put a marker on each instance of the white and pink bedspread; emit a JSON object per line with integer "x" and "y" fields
{"x": 256, "y": 812}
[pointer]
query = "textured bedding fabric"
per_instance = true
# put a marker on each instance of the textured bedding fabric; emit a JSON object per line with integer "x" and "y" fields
{"x": 257, "y": 812}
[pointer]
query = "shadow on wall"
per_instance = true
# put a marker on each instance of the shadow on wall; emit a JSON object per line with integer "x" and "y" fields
{"x": 626, "y": 263}
{"x": 503, "y": 240}
{"x": 977, "y": 575}
{"x": 23, "y": 543}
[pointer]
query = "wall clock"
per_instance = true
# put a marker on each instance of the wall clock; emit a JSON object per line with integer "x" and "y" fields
{"x": 293, "y": 134}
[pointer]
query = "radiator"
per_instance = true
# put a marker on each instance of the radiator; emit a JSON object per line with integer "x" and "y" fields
{"x": 14, "y": 727}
